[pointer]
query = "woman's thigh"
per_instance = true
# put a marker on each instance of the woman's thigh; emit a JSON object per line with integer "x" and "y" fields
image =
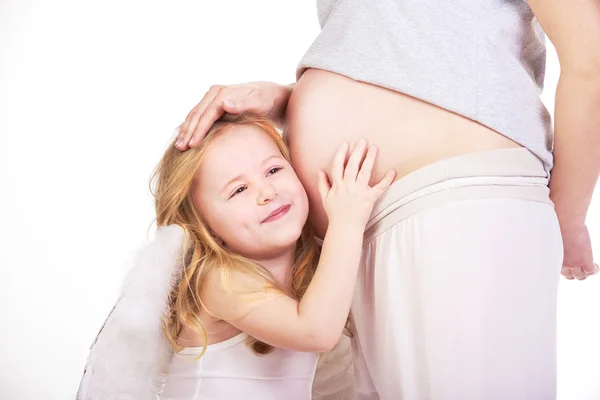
{"x": 459, "y": 301}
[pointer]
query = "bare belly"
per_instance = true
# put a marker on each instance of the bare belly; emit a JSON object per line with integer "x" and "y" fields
{"x": 326, "y": 109}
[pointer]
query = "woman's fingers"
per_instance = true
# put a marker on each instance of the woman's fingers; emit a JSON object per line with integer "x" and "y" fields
{"x": 188, "y": 128}
{"x": 216, "y": 102}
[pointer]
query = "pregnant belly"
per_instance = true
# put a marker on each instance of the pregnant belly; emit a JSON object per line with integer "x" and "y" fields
{"x": 326, "y": 109}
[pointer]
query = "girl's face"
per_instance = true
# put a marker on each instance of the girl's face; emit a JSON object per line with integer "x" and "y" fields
{"x": 249, "y": 194}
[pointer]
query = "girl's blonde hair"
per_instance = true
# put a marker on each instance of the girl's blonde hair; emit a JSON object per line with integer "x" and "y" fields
{"x": 171, "y": 185}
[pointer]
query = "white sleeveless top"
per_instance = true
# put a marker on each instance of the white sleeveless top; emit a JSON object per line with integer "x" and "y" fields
{"x": 230, "y": 370}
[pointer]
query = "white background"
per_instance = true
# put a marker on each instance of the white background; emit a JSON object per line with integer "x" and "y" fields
{"x": 89, "y": 95}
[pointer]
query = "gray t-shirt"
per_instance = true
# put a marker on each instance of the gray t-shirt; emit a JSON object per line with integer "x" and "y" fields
{"x": 481, "y": 59}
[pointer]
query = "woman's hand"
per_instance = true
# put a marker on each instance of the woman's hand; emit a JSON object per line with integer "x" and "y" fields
{"x": 579, "y": 261}
{"x": 260, "y": 98}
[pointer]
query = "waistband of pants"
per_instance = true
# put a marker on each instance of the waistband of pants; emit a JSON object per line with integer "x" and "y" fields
{"x": 506, "y": 173}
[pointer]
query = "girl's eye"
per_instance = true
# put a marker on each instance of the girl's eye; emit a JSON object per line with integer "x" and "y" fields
{"x": 273, "y": 170}
{"x": 238, "y": 191}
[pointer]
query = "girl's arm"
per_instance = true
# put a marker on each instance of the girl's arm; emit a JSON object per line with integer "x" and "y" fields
{"x": 315, "y": 323}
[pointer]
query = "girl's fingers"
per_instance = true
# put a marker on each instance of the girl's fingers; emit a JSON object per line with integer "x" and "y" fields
{"x": 324, "y": 185}
{"x": 385, "y": 182}
{"x": 364, "y": 175}
{"x": 337, "y": 169}
{"x": 353, "y": 165}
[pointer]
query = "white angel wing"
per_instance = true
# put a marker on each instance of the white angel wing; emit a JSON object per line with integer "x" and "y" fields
{"x": 130, "y": 358}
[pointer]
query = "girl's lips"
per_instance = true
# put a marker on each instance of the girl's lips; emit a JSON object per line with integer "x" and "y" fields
{"x": 278, "y": 213}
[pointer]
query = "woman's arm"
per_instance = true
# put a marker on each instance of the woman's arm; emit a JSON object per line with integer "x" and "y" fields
{"x": 316, "y": 322}
{"x": 574, "y": 29}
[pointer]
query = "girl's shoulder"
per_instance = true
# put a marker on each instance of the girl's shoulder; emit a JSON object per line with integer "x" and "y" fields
{"x": 231, "y": 293}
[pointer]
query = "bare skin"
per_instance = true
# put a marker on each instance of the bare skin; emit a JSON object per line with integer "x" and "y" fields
{"x": 412, "y": 134}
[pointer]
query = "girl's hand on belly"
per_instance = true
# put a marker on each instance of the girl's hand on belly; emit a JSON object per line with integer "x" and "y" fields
{"x": 347, "y": 197}
{"x": 260, "y": 98}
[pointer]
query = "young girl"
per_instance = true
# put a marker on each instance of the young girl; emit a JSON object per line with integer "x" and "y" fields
{"x": 252, "y": 300}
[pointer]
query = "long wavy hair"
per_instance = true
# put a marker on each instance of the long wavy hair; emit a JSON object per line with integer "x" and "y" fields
{"x": 171, "y": 186}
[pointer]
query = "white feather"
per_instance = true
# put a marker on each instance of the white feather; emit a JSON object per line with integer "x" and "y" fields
{"x": 130, "y": 357}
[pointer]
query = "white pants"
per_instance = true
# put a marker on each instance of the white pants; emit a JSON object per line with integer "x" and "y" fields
{"x": 456, "y": 295}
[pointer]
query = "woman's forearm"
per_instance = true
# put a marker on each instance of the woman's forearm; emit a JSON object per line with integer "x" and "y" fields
{"x": 576, "y": 146}
{"x": 281, "y": 101}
